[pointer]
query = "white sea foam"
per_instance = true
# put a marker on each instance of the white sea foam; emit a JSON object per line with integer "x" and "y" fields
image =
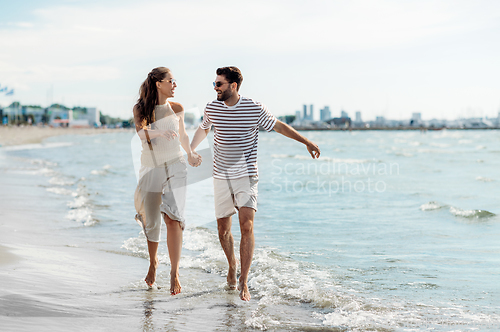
{"x": 483, "y": 179}
{"x": 42, "y": 162}
{"x": 431, "y": 206}
{"x": 334, "y": 160}
{"x": 137, "y": 246}
{"x": 61, "y": 181}
{"x": 78, "y": 202}
{"x": 440, "y": 145}
{"x": 260, "y": 322}
{"x": 82, "y": 215}
{"x": 35, "y": 146}
{"x": 102, "y": 171}
{"x": 470, "y": 213}
{"x": 46, "y": 172}
{"x": 61, "y": 191}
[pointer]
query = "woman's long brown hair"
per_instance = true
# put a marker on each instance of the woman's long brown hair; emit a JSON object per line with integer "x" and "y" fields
{"x": 148, "y": 95}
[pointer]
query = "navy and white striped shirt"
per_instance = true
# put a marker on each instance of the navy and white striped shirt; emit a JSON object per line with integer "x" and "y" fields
{"x": 236, "y": 135}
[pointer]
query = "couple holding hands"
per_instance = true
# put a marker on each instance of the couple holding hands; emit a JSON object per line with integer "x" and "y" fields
{"x": 161, "y": 190}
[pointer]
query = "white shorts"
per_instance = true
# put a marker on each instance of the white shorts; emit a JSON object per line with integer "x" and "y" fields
{"x": 231, "y": 194}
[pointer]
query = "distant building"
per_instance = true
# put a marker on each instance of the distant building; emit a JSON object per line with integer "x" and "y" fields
{"x": 343, "y": 114}
{"x": 380, "y": 121}
{"x": 297, "y": 115}
{"x": 59, "y": 115}
{"x": 93, "y": 115}
{"x": 325, "y": 114}
{"x": 358, "y": 122}
{"x": 416, "y": 119}
{"x": 340, "y": 122}
{"x": 311, "y": 112}
{"x": 358, "y": 117}
{"x": 305, "y": 112}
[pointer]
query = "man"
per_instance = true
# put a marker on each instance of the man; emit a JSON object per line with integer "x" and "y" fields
{"x": 236, "y": 120}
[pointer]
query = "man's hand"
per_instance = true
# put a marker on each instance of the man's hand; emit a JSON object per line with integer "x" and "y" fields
{"x": 313, "y": 150}
{"x": 286, "y": 130}
{"x": 194, "y": 159}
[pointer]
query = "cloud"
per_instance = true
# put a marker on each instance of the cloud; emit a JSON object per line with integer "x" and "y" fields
{"x": 53, "y": 73}
{"x": 85, "y": 41}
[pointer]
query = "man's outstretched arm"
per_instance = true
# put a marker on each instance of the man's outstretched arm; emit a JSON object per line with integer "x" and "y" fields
{"x": 289, "y": 132}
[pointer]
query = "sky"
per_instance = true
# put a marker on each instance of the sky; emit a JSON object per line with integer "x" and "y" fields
{"x": 382, "y": 58}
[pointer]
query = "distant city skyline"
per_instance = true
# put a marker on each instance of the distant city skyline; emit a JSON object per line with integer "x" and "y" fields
{"x": 386, "y": 58}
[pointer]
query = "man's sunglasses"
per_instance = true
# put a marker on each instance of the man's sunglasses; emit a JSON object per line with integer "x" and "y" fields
{"x": 219, "y": 84}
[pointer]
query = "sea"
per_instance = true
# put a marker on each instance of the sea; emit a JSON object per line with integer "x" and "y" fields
{"x": 386, "y": 231}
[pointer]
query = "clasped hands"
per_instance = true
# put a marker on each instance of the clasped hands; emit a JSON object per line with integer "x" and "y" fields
{"x": 194, "y": 159}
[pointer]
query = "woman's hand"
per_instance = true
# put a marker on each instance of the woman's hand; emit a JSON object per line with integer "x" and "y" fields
{"x": 168, "y": 134}
{"x": 194, "y": 159}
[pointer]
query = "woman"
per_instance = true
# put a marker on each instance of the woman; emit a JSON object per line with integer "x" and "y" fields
{"x": 161, "y": 191}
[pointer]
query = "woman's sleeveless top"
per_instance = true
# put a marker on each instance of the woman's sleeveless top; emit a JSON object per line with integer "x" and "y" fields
{"x": 165, "y": 152}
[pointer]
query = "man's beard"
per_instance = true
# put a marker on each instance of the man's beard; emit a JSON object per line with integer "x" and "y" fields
{"x": 224, "y": 95}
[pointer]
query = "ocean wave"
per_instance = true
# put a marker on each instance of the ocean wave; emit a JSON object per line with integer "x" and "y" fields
{"x": 82, "y": 215}
{"x": 105, "y": 170}
{"x": 45, "y": 171}
{"x": 137, "y": 246}
{"x": 276, "y": 280}
{"x": 42, "y": 162}
{"x": 335, "y": 160}
{"x": 457, "y": 212}
{"x": 483, "y": 179}
{"x": 440, "y": 145}
{"x": 432, "y": 206}
{"x": 61, "y": 181}
{"x": 78, "y": 202}
{"x": 470, "y": 214}
{"x": 35, "y": 146}
{"x": 61, "y": 191}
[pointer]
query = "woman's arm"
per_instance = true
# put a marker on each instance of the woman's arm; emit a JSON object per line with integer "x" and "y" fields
{"x": 152, "y": 133}
{"x": 193, "y": 158}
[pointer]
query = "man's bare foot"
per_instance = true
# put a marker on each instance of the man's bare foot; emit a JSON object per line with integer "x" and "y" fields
{"x": 175, "y": 285}
{"x": 232, "y": 280}
{"x": 244, "y": 293}
{"x": 151, "y": 276}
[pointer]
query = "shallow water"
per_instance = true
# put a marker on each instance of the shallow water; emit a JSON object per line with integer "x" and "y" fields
{"x": 386, "y": 231}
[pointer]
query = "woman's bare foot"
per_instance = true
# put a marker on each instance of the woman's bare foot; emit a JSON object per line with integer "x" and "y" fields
{"x": 244, "y": 293}
{"x": 175, "y": 285}
{"x": 231, "y": 276}
{"x": 151, "y": 276}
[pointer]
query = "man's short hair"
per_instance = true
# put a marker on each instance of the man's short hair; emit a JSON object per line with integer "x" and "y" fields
{"x": 232, "y": 75}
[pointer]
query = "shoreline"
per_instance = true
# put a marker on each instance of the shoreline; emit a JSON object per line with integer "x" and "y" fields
{"x": 10, "y": 136}
{"x": 391, "y": 129}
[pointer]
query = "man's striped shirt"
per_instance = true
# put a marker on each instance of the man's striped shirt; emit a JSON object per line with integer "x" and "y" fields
{"x": 236, "y": 135}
